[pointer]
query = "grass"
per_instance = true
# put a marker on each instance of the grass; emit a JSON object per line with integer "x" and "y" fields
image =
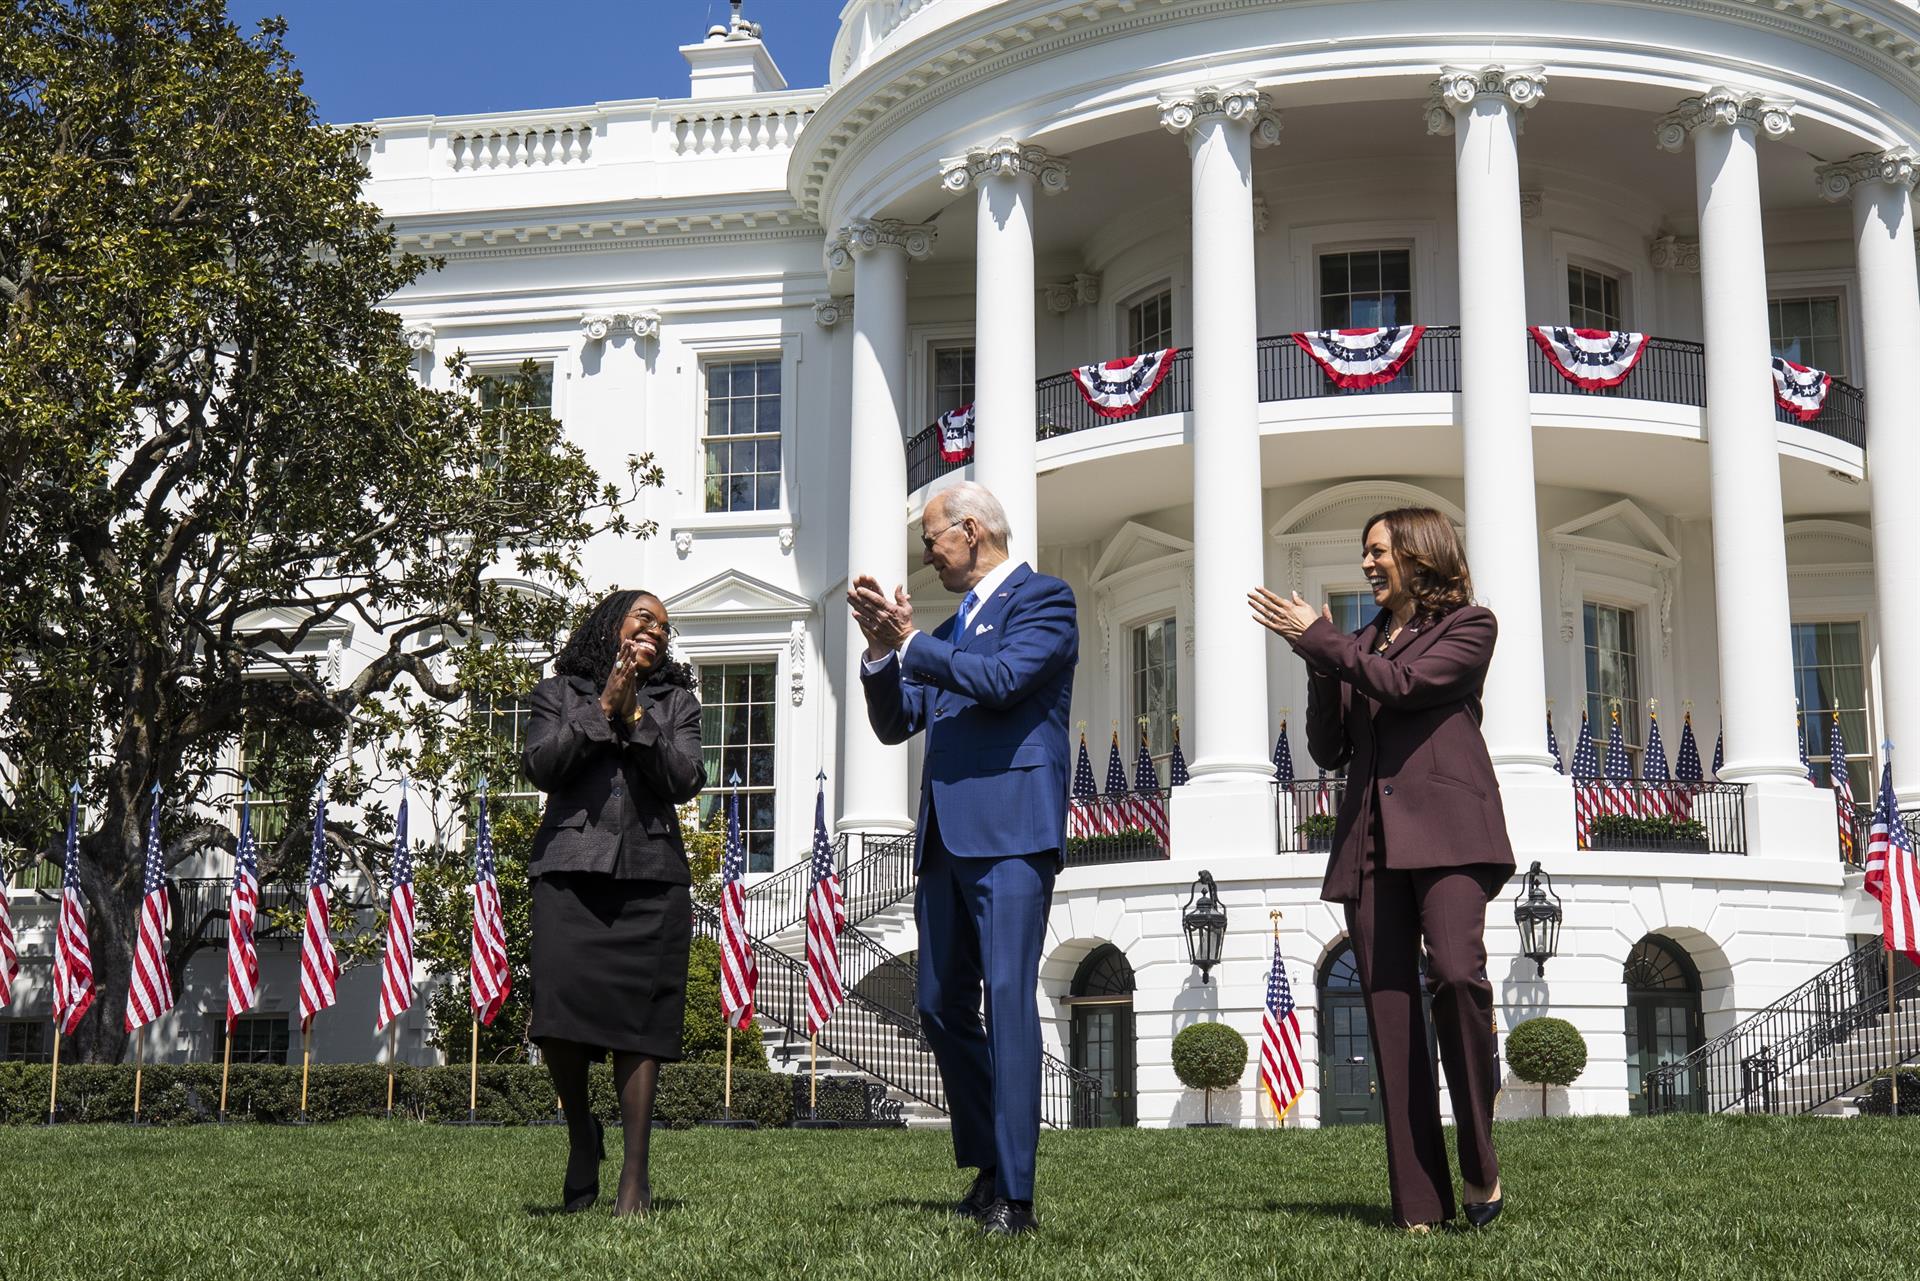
{"x": 1671, "y": 1199}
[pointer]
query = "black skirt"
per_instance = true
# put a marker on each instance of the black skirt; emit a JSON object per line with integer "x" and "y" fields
{"x": 610, "y": 962}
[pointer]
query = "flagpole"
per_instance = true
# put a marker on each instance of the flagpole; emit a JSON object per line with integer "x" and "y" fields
{"x": 726, "y": 1097}
{"x": 1279, "y": 1117}
{"x": 306, "y": 1061}
{"x": 391, "y": 1050}
{"x": 813, "y": 1078}
{"x": 226, "y": 1065}
{"x": 139, "y": 1043}
{"x": 473, "y": 1076}
{"x": 1893, "y": 1053}
{"x": 53, "y": 1087}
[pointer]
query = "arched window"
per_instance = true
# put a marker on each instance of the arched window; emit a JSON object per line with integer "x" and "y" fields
{"x": 1102, "y": 1034}
{"x": 1663, "y": 1015}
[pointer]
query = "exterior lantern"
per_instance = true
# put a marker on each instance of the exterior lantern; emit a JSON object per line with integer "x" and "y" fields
{"x": 1537, "y": 912}
{"x": 1206, "y": 925}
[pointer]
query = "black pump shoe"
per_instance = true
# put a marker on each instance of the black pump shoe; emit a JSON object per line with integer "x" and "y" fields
{"x": 576, "y": 1197}
{"x": 1481, "y": 1213}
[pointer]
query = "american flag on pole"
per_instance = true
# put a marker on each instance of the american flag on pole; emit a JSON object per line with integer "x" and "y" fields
{"x": 9, "y": 949}
{"x": 1893, "y": 870}
{"x": 1146, "y": 790}
{"x": 1842, "y": 787}
{"x": 319, "y": 967}
{"x": 826, "y": 916}
{"x": 1177, "y": 767}
{"x": 489, "y": 978}
{"x": 1587, "y": 804}
{"x": 1083, "y": 819}
{"x": 1719, "y": 752}
{"x": 1800, "y": 724}
{"x": 1686, "y": 766}
{"x": 1323, "y": 796}
{"x": 243, "y": 906}
{"x": 1283, "y": 756}
{"x": 739, "y": 971}
{"x": 73, "y": 989}
{"x": 1553, "y": 747}
{"x": 149, "y": 986}
{"x": 1665, "y": 801}
{"x": 1617, "y": 789}
{"x": 1281, "y": 1073}
{"x": 1118, "y": 813}
{"x": 396, "y": 967}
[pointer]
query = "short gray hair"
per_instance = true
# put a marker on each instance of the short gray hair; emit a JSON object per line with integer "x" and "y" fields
{"x": 968, "y": 499}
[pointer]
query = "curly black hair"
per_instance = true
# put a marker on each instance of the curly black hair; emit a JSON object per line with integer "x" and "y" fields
{"x": 590, "y": 651}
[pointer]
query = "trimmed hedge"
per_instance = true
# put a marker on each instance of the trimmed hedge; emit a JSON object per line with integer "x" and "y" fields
{"x": 1649, "y": 828}
{"x": 1547, "y": 1051}
{"x": 1209, "y": 1056}
{"x": 1879, "y": 1098}
{"x": 510, "y": 1093}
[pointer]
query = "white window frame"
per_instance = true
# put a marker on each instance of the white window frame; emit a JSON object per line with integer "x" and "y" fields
{"x": 787, "y": 345}
{"x": 1161, "y": 274}
{"x": 923, "y": 340}
{"x": 1130, "y": 737}
{"x": 1139, "y": 298}
{"x": 703, "y": 651}
{"x": 1569, "y": 250}
{"x": 1788, "y": 285}
{"x": 1859, "y": 612}
{"x": 1435, "y": 292}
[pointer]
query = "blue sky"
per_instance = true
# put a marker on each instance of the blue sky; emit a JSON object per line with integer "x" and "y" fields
{"x": 368, "y": 58}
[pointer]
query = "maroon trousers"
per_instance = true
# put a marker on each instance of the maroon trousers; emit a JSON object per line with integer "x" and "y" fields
{"x": 1446, "y": 906}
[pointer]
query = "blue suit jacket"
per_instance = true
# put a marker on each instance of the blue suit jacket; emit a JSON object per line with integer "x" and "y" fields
{"x": 994, "y": 705}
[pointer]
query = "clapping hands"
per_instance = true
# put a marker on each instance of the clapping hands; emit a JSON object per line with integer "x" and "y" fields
{"x": 1284, "y": 616}
{"x": 884, "y": 622}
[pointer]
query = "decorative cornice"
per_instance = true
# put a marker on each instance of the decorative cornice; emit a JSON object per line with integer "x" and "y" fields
{"x": 597, "y": 229}
{"x": 1458, "y": 88}
{"x": 830, "y": 311}
{"x": 1671, "y": 253}
{"x": 1240, "y": 103}
{"x": 419, "y": 334}
{"x": 596, "y": 326}
{"x": 1721, "y": 105}
{"x": 1062, "y": 295}
{"x": 1899, "y": 167}
{"x": 1004, "y": 158}
{"x": 915, "y": 239}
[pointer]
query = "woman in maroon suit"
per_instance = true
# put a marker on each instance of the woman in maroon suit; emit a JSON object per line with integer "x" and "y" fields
{"x": 1420, "y": 845}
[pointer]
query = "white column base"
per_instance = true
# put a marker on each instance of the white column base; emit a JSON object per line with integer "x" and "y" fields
{"x": 1539, "y": 810}
{"x": 1791, "y": 820}
{"x": 1226, "y": 818}
{"x": 880, "y": 824}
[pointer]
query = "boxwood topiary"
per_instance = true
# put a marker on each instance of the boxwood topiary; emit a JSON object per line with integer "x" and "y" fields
{"x": 1209, "y": 1056}
{"x": 1546, "y": 1051}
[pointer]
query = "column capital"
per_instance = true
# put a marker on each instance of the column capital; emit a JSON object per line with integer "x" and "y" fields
{"x": 1897, "y": 167}
{"x": 1004, "y": 158}
{"x": 596, "y": 326}
{"x": 1062, "y": 295}
{"x": 865, "y": 236}
{"x": 830, "y": 311}
{"x": 418, "y": 335}
{"x": 1671, "y": 253}
{"x": 1458, "y": 88}
{"x": 1721, "y": 105}
{"x": 1240, "y": 103}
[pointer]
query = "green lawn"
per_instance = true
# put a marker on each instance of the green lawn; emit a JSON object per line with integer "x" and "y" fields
{"x": 1674, "y": 1198}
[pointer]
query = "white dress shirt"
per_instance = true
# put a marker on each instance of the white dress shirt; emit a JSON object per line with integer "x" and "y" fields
{"x": 982, "y": 592}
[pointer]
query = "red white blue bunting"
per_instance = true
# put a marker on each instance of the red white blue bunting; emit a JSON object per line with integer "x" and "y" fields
{"x": 1119, "y": 387}
{"x": 1593, "y": 359}
{"x": 1360, "y": 358}
{"x": 1799, "y": 390}
{"x": 953, "y": 433}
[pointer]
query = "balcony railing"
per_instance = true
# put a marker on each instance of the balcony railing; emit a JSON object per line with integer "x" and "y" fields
{"x": 1667, "y": 818}
{"x": 1863, "y": 827}
{"x": 1120, "y": 831}
{"x": 1304, "y": 810}
{"x": 203, "y": 903}
{"x": 1671, "y": 371}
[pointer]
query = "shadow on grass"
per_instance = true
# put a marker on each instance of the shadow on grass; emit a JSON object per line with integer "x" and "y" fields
{"x": 1378, "y": 1216}
{"x": 908, "y": 1203}
{"x": 661, "y": 1205}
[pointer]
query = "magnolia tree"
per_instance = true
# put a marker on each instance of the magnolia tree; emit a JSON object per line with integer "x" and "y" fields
{"x": 217, "y": 456}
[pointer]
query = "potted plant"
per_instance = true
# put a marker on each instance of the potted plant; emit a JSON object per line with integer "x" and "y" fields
{"x": 1209, "y": 1057}
{"x": 1546, "y": 1051}
{"x": 1316, "y": 833}
{"x": 1648, "y": 832}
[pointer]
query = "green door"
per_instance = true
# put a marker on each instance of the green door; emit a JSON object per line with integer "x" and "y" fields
{"x": 1350, "y": 1095}
{"x": 1103, "y": 1047}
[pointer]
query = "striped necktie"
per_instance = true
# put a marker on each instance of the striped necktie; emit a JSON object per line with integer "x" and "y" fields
{"x": 967, "y": 604}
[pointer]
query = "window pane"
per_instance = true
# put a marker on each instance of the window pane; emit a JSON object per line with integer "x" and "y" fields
{"x": 740, "y": 696}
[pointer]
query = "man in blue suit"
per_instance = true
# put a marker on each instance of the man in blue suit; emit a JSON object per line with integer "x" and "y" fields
{"x": 991, "y": 687}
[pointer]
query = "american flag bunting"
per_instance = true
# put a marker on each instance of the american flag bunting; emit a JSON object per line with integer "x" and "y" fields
{"x": 489, "y": 977}
{"x": 319, "y": 967}
{"x": 826, "y": 917}
{"x": 1281, "y": 1073}
{"x": 73, "y": 988}
{"x": 1893, "y": 871}
{"x": 149, "y": 986}
{"x": 396, "y": 965}
{"x": 739, "y": 971}
{"x": 243, "y": 908}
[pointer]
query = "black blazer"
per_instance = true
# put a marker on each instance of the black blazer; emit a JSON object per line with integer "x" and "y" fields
{"x": 611, "y": 790}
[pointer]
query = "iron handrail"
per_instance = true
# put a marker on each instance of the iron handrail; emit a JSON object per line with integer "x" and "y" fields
{"x": 1116, "y": 829}
{"x": 1298, "y": 801}
{"x": 1719, "y": 809}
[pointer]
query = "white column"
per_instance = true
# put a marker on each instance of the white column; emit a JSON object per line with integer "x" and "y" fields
{"x": 1481, "y": 108}
{"x": 1881, "y": 184}
{"x": 874, "y": 776}
{"x": 1230, "y": 799}
{"x": 1743, "y": 451}
{"x": 1005, "y": 413}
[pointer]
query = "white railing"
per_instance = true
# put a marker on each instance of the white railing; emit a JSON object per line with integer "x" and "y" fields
{"x": 742, "y": 126}
{"x": 535, "y": 144}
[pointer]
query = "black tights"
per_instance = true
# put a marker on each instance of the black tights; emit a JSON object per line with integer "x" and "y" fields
{"x": 635, "y": 1078}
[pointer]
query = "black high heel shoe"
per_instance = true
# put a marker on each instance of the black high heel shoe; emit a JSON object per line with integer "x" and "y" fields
{"x": 581, "y": 1196}
{"x": 1481, "y": 1213}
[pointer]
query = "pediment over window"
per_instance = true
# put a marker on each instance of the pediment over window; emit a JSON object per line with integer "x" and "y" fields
{"x": 1620, "y": 529}
{"x": 286, "y": 619}
{"x": 1821, "y": 543}
{"x": 1339, "y": 509}
{"x": 733, "y": 595}
{"x": 1137, "y": 547}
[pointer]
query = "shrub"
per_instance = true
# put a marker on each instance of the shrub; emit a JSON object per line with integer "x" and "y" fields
{"x": 1546, "y": 1051}
{"x": 1113, "y": 847}
{"x": 1209, "y": 1056}
{"x": 1316, "y": 826}
{"x": 1649, "y": 830}
{"x": 1879, "y": 1098}
{"x": 704, "y": 1038}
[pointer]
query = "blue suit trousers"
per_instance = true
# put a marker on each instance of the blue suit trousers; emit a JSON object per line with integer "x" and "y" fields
{"x": 982, "y": 924}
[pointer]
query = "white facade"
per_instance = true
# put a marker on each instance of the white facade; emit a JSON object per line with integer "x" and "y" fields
{"x": 1015, "y": 176}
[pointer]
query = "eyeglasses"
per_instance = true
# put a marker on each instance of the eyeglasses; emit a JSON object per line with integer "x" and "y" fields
{"x": 659, "y": 627}
{"x": 927, "y": 543}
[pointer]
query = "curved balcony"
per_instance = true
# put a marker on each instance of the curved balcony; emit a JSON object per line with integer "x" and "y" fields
{"x": 1672, "y": 371}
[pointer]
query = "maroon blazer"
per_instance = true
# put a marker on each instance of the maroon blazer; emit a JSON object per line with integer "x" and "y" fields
{"x": 1406, "y": 725}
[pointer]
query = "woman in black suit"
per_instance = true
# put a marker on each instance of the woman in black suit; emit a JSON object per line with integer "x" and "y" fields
{"x": 614, "y": 741}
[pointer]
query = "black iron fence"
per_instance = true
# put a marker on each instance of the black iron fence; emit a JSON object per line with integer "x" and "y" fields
{"x": 1117, "y": 829}
{"x": 1863, "y": 827}
{"x": 879, "y": 878}
{"x": 1286, "y": 372}
{"x": 1844, "y": 416}
{"x": 1670, "y": 371}
{"x": 1665, "y": 818}
{"x": 202, "y": 905}
{"x": 1305, "y": 810}
{"x": 1824, "y": 1038}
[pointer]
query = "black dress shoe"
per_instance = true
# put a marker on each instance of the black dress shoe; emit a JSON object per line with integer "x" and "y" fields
{"x": 1481, "y": 1213}
{"x": 978, "y": 1200}
{"x": 575, "y": 1197}
{"x": 1010, "y": 1219}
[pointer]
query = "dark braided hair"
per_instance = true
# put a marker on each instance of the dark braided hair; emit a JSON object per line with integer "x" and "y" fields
{"x": 595, "y": 643}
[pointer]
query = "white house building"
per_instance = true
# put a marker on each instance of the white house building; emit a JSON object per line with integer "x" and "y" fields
{"x": 777, "y": 292}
